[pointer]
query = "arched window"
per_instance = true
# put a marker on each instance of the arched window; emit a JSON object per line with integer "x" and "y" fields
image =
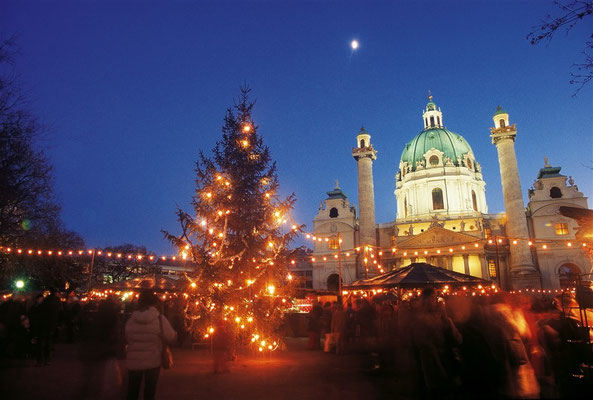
{"x": 333, "y": 212}
{"x": 437, "y": 199}
{"x": 333, "y": 282}
{"x": 426, "y": 122}
{"x": 433, "y": 160}
{"x": 439, "y": 121}
{"x": 469, "y": 163}
{"x": 362, "y": 143}
{"x": 474, "y": 201}
{"x": 502, "y": 123}
{"x": 555, "y": 193}
{"x": 567, "y": 274}
{"x": 432, "y": 121}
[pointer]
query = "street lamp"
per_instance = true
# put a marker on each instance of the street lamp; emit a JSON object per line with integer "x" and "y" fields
{"x": 19, "y": 284}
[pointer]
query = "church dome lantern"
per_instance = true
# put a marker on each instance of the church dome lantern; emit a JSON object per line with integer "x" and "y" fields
{"x": 432, "y": 115}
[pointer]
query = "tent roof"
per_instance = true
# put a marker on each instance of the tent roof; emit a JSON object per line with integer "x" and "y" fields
{"x": 156, "y": 282}
{"x": 416, "y": 275}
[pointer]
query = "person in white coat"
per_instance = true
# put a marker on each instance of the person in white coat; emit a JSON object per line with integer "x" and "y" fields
{"x": 145, "y": 345}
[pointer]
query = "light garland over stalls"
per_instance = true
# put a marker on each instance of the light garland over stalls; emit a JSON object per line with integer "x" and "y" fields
{"x": 372, "y": 253}
{"x": 373, "y": 250}
{"x": 468, "y": 291}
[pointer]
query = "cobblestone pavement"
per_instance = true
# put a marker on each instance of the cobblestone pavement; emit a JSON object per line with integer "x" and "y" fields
{"x": 292, "y": 374}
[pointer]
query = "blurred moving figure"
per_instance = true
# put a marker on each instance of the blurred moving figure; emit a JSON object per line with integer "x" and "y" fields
{"x": 509, "y": 334}
{"x": 434, "y": 337}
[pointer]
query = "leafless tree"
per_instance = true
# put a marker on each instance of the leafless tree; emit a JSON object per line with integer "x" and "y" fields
{"x": 570, "y": 13}
{"x": 26, "y": 182}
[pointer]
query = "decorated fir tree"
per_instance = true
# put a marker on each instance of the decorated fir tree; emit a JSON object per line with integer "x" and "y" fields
{"x": 238, "y": 237}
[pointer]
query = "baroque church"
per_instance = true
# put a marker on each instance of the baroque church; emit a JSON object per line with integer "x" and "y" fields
{"x": 442, "y": 216}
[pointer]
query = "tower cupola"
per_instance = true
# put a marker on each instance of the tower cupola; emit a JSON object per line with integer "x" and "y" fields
{"x": 501, "y": 118}
{"x": 432, "y": 115}
{"x": 363, "y": 139}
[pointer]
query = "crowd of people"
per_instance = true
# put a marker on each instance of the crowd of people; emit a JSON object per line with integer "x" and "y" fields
{"x": 104, "y": 330}
{"x": 500, "y": 346}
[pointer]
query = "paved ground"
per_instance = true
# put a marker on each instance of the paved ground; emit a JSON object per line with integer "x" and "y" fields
{"x": 292, "y": 374}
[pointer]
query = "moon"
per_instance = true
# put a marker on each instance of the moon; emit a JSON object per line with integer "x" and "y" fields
{"x": 354, "y": 44}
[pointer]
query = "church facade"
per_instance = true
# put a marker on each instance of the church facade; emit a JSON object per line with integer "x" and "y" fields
{"x": 442, "y": 215}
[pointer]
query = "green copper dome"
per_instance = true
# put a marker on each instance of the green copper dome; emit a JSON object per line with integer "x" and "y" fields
{"x": 450, "y": 143}
{"x": 499, "y": 111}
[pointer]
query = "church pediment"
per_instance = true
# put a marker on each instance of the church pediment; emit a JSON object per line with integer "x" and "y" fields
{"x": 436, "y": 236}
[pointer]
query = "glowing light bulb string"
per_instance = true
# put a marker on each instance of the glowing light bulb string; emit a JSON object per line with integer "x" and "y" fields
{"x": 369, "y": 249}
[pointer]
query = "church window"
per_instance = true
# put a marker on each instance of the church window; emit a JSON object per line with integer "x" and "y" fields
{"x": 432, "y": 122}
{"x": 492, "y": 268}
{"x": 333, "y": 243}
{"x": 502, "y": 123}
{"x": 561, "y": 229}
{"x": 469, "y": 163}
{"x": 487, "y": 233}
{"x": 433, "y": 160}
{"x": 437, "y": 199}
{"x": 426, "y": 122}
{"x": 333, "y": 212}
{"x": 362, "y": 143}
{"x": 439, "y": 121}
{"x": 474, "y": 201}
{"x": 555, "y": 193}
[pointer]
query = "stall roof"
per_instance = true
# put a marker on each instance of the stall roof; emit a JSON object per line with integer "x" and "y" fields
{"x": 416, "y": 275}
{"x": 156, "y": 282}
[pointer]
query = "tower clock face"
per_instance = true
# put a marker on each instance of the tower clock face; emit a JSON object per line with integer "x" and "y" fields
{"x": 333, "y": 228}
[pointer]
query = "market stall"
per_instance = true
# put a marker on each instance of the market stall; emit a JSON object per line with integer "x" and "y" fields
{"x": 415, "y": 276}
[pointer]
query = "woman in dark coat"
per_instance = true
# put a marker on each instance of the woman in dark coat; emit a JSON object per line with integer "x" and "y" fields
{"x": 314, "y": 327}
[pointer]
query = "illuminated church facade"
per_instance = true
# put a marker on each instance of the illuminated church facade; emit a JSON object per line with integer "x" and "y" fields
{"x": 442, "y": 215}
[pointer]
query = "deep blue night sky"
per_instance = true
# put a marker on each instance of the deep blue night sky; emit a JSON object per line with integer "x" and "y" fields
{"x": 130, "y": 91}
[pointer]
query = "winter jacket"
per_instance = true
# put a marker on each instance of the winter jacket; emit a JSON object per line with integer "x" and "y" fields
{"x": 143, "y": 338}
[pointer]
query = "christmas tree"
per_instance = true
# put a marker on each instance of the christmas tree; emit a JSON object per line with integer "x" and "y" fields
{"x": 238, "y": 237}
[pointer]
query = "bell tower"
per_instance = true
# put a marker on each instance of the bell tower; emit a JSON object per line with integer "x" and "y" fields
{"x": 503, "y": 134}
{"x": 364, "y": 154}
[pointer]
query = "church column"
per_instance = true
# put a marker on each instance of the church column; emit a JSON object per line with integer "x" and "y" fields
{"x": 364, "y": 155}
{"x": 466, "y": 263}
{"x": 523, "y": 272}
{"x": 449, "y": 265}
{"x": 484, "y": 265}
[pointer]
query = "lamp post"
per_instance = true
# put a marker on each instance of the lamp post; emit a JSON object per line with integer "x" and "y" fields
{"x": 339, "y": 264}
{"x": 91, "y": 271}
